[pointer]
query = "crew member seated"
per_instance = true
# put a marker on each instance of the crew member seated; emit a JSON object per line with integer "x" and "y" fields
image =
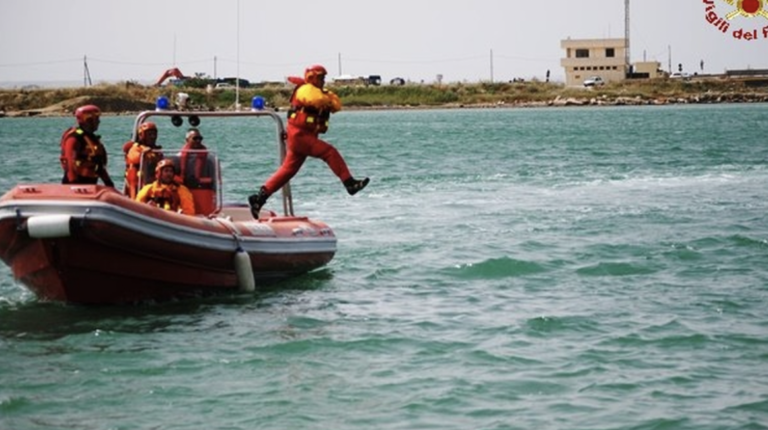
{"x": 165, "y": 192}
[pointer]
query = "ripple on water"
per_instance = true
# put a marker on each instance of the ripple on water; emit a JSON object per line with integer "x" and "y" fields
{"x": 496, "y": 268}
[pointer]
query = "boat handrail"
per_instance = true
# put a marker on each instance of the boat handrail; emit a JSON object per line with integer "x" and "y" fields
{"x": 194, "y": 117}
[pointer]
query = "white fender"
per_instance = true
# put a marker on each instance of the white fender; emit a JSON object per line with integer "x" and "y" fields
{"x": 48, "y": 226}
{"x": 244, "y": 271}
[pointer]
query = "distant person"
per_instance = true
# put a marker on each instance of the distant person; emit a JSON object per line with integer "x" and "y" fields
{"x": 182, "y": 101}
{"x": 308, "y": 117}
{"x": 194, "y": 161}
{"x": 83, "y": 156}
{"x": 165, "y": 192}
{"x": 144, "y": 147}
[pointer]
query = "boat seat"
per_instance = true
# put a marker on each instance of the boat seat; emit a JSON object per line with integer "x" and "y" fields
{"x": 205, "y": 200}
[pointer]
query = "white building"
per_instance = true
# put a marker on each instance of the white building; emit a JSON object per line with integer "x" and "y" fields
{"x": 593, "y": 57}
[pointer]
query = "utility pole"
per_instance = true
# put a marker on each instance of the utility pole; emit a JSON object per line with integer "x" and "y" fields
{"x": 86, "y": 73}
{"x": 669, "y": 59}
{"x": 491, "y": 65}
{"x": 339, "y": 63}
{"x": 215, "y": 73}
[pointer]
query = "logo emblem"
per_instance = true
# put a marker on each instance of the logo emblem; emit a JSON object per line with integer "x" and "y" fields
{"x": 744, "y": 8}
{"x": 747, "y": 9}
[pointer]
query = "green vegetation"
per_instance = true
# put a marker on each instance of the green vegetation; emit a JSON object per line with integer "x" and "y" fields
{"x": 129, "y": 97}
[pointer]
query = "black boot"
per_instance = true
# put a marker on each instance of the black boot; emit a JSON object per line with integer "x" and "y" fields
{"x": 257, "y": 201}
{"x": 353, "y": 185}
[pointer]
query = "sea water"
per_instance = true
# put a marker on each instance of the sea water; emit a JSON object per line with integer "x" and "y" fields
{"x": 574, "y": 268}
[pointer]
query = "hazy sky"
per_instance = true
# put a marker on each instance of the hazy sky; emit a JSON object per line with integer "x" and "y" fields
{"x": 46, "y": 40}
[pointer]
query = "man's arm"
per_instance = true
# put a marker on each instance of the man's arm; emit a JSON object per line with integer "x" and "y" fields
{"x": 68, "y": 157}
{"x": 142, "y": 195}
{"x": 104, "y": 175}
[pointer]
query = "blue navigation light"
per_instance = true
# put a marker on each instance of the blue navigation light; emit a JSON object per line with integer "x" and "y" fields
{"x": 162, "y": 103}
{"x": 257, "y": 103}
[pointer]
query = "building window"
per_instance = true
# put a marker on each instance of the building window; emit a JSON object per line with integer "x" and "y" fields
{"x": 582, "y": 53}
{"x": 610, "y": 52}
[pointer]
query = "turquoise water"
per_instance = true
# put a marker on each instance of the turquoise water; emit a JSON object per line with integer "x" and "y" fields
{"x": 589, "y": 268}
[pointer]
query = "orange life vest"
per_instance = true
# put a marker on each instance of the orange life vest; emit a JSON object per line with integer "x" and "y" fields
{"x": 193, "y": 165}
{"x": 90, "y": 154}
{"x": 134, "y": 152}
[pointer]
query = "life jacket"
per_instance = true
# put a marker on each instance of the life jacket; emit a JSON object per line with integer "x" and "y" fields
{"x": 128, "y": 145}
{"x": 134, "y": 152}
{"x": 193, "y": 165}
{"x": 308, "y": 118}
{"x": 165, "y": 196}
{"x": 90, "y": 154}
{"x": 137, "y": 151}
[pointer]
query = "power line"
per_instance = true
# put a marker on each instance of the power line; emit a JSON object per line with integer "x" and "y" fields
{"x": 128, "y": 63}
{"x": 445, "y": 60}
{"x": 41, "y": 63}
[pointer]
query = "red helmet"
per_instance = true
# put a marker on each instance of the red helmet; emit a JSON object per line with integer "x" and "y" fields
{"x": 312, "y": 71}
{"x": 84, "y": 113}
{"x": 164, "y": 163}
{"x": 143, "y": 128}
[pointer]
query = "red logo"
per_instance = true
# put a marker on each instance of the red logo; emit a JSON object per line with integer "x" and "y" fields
{"x": 744, "y": 9}
{"x": 747, "y": 8}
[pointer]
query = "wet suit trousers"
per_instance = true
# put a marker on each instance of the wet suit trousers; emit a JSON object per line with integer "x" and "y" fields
{"x": 302, "y": 144}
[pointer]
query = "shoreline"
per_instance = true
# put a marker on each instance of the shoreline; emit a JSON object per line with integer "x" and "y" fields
{"x": 562, "y": 102}
{"x": 129, "y": 100}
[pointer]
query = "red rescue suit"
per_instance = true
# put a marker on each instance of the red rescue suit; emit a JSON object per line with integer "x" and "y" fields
{"x": 311, "y": 108}
{"x": 83, "y": 158}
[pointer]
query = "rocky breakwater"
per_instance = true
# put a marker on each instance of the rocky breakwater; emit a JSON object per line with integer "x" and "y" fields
{"x": 703, "y": 98}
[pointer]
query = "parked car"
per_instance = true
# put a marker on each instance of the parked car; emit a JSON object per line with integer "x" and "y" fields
{"x": 680, "y": 75}
{"x": 593, "y": 81}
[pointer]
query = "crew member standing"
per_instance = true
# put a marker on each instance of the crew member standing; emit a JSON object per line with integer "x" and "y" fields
{"x": 308, "y": 117}
{"x": 134, "y": 152}
{"x": 83, "y": 156}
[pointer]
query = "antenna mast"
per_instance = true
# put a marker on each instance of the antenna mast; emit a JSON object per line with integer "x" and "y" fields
{"x": 237, "y": 78}
{"x": 626, "y": 35}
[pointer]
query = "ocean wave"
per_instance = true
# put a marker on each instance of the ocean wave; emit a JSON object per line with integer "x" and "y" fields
{"x": 496, "y": 268}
